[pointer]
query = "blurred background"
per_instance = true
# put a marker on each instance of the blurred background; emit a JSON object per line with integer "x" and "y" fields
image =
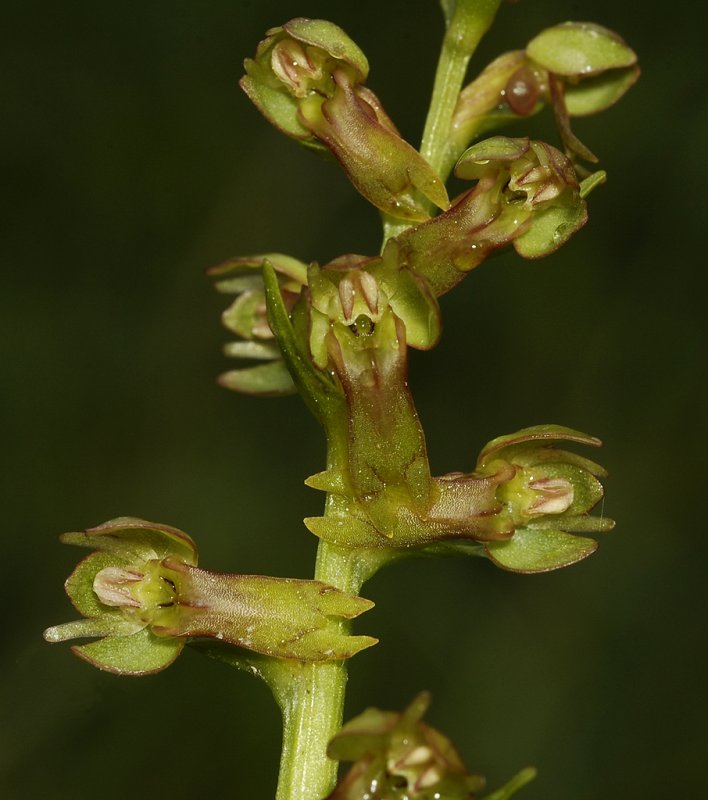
{"x": 131, "y": 162}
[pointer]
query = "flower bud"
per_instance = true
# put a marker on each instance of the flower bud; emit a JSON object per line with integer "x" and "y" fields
{"x": 399, "y": 755}
{"x": 143, "y": 594}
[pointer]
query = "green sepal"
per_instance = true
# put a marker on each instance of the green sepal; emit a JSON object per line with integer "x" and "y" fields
{"x": 539, "y": 550}
{"x": 140, "y": 653}
{"x": 541, "y": 434}
{"x": 249, "y": 349}
{"x": 574, "y": 524}
{"x": 265, "y": 380}
{"x": 474, "y": 162}
{"x": 317, "y": 390}
{"x": 579, "y": 49}
{"x": 248, "y": 269}
{"x": 599, "y": 92}
{"x": 332, "y": 39}
{"x": 276, "y": 105}
{"x": 131, "y": 538}
{"x": 550, "y": 228}
{"x": 410, "y": 298}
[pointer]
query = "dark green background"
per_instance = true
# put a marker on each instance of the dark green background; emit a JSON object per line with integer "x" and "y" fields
{"x": 130, "y": 162}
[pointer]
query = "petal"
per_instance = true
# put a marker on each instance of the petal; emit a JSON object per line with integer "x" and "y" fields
{"x": 109, "y": 624}
{"x": 79, "y": 585}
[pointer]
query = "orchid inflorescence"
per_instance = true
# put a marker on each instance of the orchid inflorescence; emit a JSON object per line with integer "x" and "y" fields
{"x": 338, "y": 334}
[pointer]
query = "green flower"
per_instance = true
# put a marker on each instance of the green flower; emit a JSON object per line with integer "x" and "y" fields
{"x": 547, "y": 500}
{"x": 307, "y": 79}
{"x": 577, "y": 68}
{"x": 399, "y": 757}
{"x": 143, "y": 595}
{"x": 247, "y": 318}
{"x": 527, "y": 194}
{"x": 520, "y": 507}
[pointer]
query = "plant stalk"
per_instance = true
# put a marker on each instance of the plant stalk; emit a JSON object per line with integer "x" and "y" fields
{"x": 313, "y": 704}
{"x": 468, "y": 24}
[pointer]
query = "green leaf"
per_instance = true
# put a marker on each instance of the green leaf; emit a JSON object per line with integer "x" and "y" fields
{"x": 580, "y": 49}
{"x": 141, "y": 653}
{"x": 599, "y": 92}
{"x": 265, "y": 380}
{"x": 531, "y": 551}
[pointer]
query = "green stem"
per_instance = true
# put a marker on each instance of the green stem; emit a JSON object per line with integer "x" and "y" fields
{"x": 468, "y": 24}
{"x": 313, "y": 706}
{"x": 314, "y": 701}
{"x": 312, "y": 715}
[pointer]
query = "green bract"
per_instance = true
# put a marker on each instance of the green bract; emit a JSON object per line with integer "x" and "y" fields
{"x": 307, "y": 79}
{"x": 143, "y": 594}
